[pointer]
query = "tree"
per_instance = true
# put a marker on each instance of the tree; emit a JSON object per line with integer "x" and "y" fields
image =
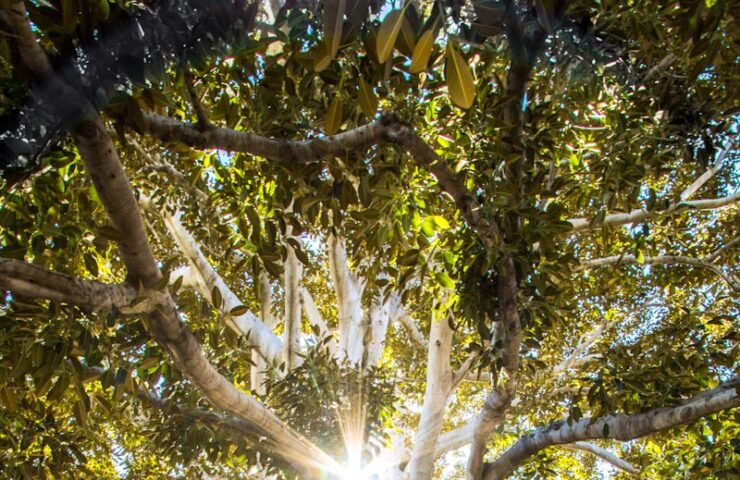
{"x": 346, "y": 239}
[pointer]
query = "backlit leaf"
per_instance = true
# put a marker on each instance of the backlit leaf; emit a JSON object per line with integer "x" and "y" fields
{"x": 368, "y": 101}
{"x": 423, "y": 51}
{"x": 460, "y": 85}
{"x": 334, "y": 116}
{"x": 388, "y": 33}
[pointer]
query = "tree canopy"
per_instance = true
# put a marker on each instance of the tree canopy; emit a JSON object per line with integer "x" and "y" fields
{"x": 369, "y": 239}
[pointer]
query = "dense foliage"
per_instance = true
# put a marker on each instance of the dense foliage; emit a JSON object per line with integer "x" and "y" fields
{"x": 538, "y": 123}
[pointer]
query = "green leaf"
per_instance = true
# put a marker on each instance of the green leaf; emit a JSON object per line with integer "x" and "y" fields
{"x": 440, "y": 222}
{"x": 91, "y": 264}
{"x": 238, "y": 310}
{"x": 422, "y": 51}
{"x": 216, "y": 298}
{"x": 388, "y": 33}
{"x": 103, "y": 8}
{"x": 427, "y": 226}
{"x": 640, "y": 257}
{"x": 368, "y": 101}
{"x": 460, "y": 84}
{"x": 333, "y": 23}
{"x": 445, "y": 280}
{"x": 333, "y": 116}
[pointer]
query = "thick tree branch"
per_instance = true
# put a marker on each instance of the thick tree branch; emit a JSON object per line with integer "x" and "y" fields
{"x": 603, "y": 454}
{"x": 289, "y": 152}
{"x": 262, "y": 336}
{"x": 660, "y": 260}
{"x": 33, "y": 281}
{"x": 620, "y": 427}
{"x": 349, "y": 302}
{"x": 436, "y": 396}
{"x": 257, "y": 372}
{"x": 292, "y": 316}
{"x": 33, "y": 56}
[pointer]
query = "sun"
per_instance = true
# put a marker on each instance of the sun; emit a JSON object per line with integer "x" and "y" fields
{"x": 354, "y": 473}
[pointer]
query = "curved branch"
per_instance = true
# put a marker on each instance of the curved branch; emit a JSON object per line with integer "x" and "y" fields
{"x": 640, "y": 214}
{"x": 603, "y": 454}
{"x": 33, "y": 281}
{"x": 388, "y": 129}
{"x": 283, "y": 151}
{"x": 620, "y": 427}
{"x": 659, "y": 260}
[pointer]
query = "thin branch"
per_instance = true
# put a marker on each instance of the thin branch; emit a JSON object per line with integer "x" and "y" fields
{"x": 713, "y": 256}
{"x": 660, "y": 260}
{"x": 603, "y": 454}
{"x": 162, "y": 166}
{"x": 200, "y": 112}
{"x": 409, "y": 324}
{"x": 620, "y": 427}
{"x": 704, "y": 178}
{"x": 640, "y": 214}
{"x": 315, "y": 319}
{"x": 464, "y": 369}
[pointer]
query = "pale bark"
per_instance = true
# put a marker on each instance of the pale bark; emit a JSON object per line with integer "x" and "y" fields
{"x": 620, "y": 427}
{"x": 409, "y": 324}
{"x": 436, "y": 396}
{"x": 379, "y": 317}
{"x": 292, "y": 314}
{"x": 704, "y": 177}
{"x": 603, "y": 454}
{"x": 660, "y": 260}
{"x": 33, "y": 281}
{"x": 316, "y": 320}
{"x": 260, "y": 366}
{"x": 640, "y": 214}
{"x": 260, "y": 335}
{"x": 348, "y": 288}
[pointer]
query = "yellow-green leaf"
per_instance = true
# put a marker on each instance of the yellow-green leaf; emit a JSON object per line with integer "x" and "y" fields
{"x": 423, "y": 51}
{"x": 407, "y": 37}
{"x": 216, "y": 297}
{"x": 322, "y": 57}
{"x": 104, "y": 8}
{"x": 388, "y": 33}
{"x": 238, "y": 310}
{"x": 368, "y": 101}
{"x": 460, "y": 85}
{"x": 333, "y": 116}
{"x": 445, "y": 280}
{"x": 333, "y": 23}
